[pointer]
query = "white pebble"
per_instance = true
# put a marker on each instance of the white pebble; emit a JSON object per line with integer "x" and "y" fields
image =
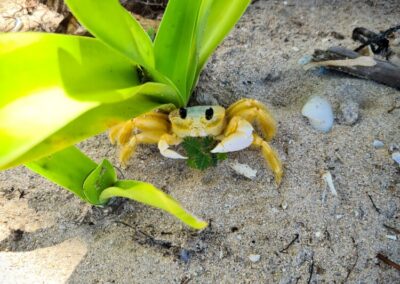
{"x": 274, "y": 210}
{"x": 243, "y": 170}
{"x": 392, "y": 237}
{"x": 305, "y": 60}
{"x": 318, "y": 234}
{"x": 295, "y": 48}
{"x": 378, "y": 144}
{"x": 319, "y": 112}
{"x": 396, "y": 157}
{"x": 254, "y": 257}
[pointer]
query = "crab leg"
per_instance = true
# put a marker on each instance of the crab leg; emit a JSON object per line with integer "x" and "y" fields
{"x": 253, "y": 110}
{"x": 152, "y": 121}
{"x": 147, "y": 137}
{"x": 113, "y": 135}
{"x": 238, "y": 136}
{"x": 167, "y": 140}
{"x": 270, "y": 156}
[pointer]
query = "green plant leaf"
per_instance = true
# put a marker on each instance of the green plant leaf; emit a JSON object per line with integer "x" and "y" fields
{"x": 96, "y": 184}
{"x": 102, "y": 177}
{"x": 175, "y": 46}
{"x": 45, "y": 108}
{"x": 216, "y": 19}
{"x": 148, "y": 194}
{"x": 198, "y": 152}
{"x": 68, "y": 168}
{"x": 109, "y": 21}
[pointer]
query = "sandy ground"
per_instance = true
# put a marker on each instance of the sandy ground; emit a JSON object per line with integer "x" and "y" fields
{"x": 301, "y": 231}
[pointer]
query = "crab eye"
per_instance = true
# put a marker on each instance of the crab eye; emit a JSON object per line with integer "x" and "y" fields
{"x": 209, "y": 113}
{"x": 182, "y": 113}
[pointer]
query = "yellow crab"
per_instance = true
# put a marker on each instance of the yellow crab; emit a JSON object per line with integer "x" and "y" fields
{"x": 232, "y": 127}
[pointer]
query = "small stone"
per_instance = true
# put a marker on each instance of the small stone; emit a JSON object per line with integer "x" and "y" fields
{"x": 284, "y": 205}
{"x": 396, "y": 157}
{"x": 184, "y": 255}
{"x": 339, "y": 216}
{"x": 349, "y": 112}
{"x": 393, "y": 147}
{"x": 378, "y": 144}
{"x": 305, "y": 59}
{"x": 274, "y": 210}
{"x": 337, "y": 35}
{"x": 254, "y": 258}
{"x": 392, "y": 237}
{"x": 306, "y": 254}
{"x": 318, "y": 234}
{"x": 391, "y": 209}
{"x": 287, "y": 280}
{"x": 295, "y": 48}
{"x": 271, "y": 77}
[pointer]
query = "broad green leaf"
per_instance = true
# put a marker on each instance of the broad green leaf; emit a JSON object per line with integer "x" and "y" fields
{"x": 68, "y": 168}
{"x": 108, "y": 21}
{"x": 96, "y": 184}
{"x": 35, "y": 62}
{"x": 102, "y": 177}
{"x": 216, "y": 19}
{"x": 148, "y": 194}
{"x": 175, "y": 46}
{"x": 83, "y": 88}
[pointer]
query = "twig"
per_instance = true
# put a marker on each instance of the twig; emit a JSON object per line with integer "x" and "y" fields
{"x": 125, "y": 224}
{"x": 389, "y": 262}
{"x": 382, "y": 71}
{"x": 354, "y": 264}
{"x": 311, "y": 271}
{"x": 290, "y": 244}
{"x": 120, "y": 172}
{"x": 186, "y": 280}
{"x": 397, "y": 231}
{"x": 150, "y": 239}
{"x": 373, "y": 204}
{"x": 393, "y": 108}
{"x": 147, "y": 3}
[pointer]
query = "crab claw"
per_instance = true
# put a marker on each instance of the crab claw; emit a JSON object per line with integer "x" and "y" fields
{"x": 239, "y": 136}
{"x": 164, "y": 143}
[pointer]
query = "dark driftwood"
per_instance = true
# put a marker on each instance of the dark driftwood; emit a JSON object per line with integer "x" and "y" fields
{"x": 382, "y": 72}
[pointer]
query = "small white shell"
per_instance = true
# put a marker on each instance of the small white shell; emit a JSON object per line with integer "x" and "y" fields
{"x": 319, "y": 112}
{"x": 329, "y": 181}
{"x": 244, "y": 170}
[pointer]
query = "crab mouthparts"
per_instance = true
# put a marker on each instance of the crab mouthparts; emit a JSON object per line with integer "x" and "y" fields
{"x": 198, "y": 132}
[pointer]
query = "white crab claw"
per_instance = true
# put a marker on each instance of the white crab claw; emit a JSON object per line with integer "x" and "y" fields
{"x": 163, "y": 147}
{"x": 241, "y": 139}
